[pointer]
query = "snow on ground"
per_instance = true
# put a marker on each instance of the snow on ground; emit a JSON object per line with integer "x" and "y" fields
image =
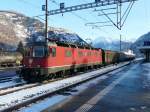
{"x": 138, "y": 59}
{"x": 20, "y": 31}
{"x": 17, "y": 87}
{"x": 53, "y": 100}
{"x": 44, "y": 104}
{"x": 24, "y": 95}
{"x": 60, "y": 98}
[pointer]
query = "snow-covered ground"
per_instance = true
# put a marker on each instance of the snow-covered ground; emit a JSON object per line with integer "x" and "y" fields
{"x": 27, "y": 94}
{"x": 56, "y": 99}
{"x": 59, "y": 98}
{"x": 20, "y": 86}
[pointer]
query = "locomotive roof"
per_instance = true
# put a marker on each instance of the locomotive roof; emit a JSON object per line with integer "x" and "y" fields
{"x": 61, "y": 44}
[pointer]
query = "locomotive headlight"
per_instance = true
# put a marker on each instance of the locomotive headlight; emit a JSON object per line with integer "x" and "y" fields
{"x": 38, "y": 66}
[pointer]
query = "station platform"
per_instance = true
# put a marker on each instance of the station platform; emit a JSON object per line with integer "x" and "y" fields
{"x": 127, "y": 90}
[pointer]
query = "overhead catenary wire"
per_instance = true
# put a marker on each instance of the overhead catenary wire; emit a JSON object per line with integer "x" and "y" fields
{"x": 118, "y": 25}
{"x": 99, "y": 27}
{"x": 53, "y": 1}
{"x": 73, "y": 13}
{"x": 127, "y": 13}
{"x": 146, "y": 14}
{"x": 83, "y": 19}
{"x": 78, "y": 16}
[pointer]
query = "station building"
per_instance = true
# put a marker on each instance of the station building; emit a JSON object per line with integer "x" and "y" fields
{"x": 145, "y": 49}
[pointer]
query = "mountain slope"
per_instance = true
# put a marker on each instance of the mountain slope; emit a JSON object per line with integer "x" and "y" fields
{"x": 59, "y": 34}
{"x": 14, "y": 28}
{"x": 110, "y": 44}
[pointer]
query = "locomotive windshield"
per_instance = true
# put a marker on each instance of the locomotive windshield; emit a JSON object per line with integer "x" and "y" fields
{"x": 38, "y": 51}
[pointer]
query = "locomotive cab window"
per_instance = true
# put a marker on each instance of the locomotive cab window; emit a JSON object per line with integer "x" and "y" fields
{"x": 38, "y": 51}
{"x": 28, "y": 52}
{"x": 53, "y": 52}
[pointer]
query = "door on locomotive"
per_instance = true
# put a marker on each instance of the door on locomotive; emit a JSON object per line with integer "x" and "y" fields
{"x": 103, "y": 57}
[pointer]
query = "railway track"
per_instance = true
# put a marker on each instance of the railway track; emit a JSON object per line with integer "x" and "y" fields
{"x": 54, "y": 88}
{"x": 18, "y": 87}
{"x": 7, "y": 75}
{"x": 11, "y": 89}
{"x": 12, "y": 86}
{"x": 5, "y": 79}
{"x": 9, "y": 68}
{"x": 21, "y": 86}
{"x": 15, "y": 89}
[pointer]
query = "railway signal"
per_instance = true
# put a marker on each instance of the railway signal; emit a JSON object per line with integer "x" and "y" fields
{"x": 43, "y": 8}
{"x": 62, "y": 6}
{"x": 97, "y": 1}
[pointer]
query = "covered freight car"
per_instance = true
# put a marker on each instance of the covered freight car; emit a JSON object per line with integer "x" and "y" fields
{"x": 113, "y": 57}
{"x": 110, "y": 57}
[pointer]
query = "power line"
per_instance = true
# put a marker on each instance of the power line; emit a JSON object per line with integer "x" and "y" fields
{"x": 98, "y": 27}
{"x": 99, "y": 3}
{"x": 147, "y": 17}
{"x": 84, "y": 19}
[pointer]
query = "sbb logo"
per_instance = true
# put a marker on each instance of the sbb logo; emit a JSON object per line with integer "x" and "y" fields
{"x": 30, "y": 61}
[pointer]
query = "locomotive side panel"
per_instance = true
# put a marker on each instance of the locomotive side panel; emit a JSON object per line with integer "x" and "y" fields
{"x": 71, "y": 58}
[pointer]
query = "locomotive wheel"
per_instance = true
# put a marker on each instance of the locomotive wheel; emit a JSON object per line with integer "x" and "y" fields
{"x": 50, "y": 76}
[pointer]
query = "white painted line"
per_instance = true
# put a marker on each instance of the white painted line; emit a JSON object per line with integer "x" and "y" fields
{"x": 100, "y": 95}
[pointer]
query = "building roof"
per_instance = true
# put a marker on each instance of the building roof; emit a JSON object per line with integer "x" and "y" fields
{"x": 144, "y": 48}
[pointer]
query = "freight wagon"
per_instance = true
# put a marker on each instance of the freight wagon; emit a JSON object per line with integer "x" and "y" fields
{"x": 10, "y": 58}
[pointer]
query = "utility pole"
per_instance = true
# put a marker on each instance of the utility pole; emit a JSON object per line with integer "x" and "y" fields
{"x": 120, "y": 42}
{"x": 46, "y": 21}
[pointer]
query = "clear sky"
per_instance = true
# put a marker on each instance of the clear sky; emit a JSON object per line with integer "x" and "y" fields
{"x": 137, "y": 24}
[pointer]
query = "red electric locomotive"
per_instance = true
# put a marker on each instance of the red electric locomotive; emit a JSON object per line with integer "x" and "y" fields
{"x": 48, "y": 60}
